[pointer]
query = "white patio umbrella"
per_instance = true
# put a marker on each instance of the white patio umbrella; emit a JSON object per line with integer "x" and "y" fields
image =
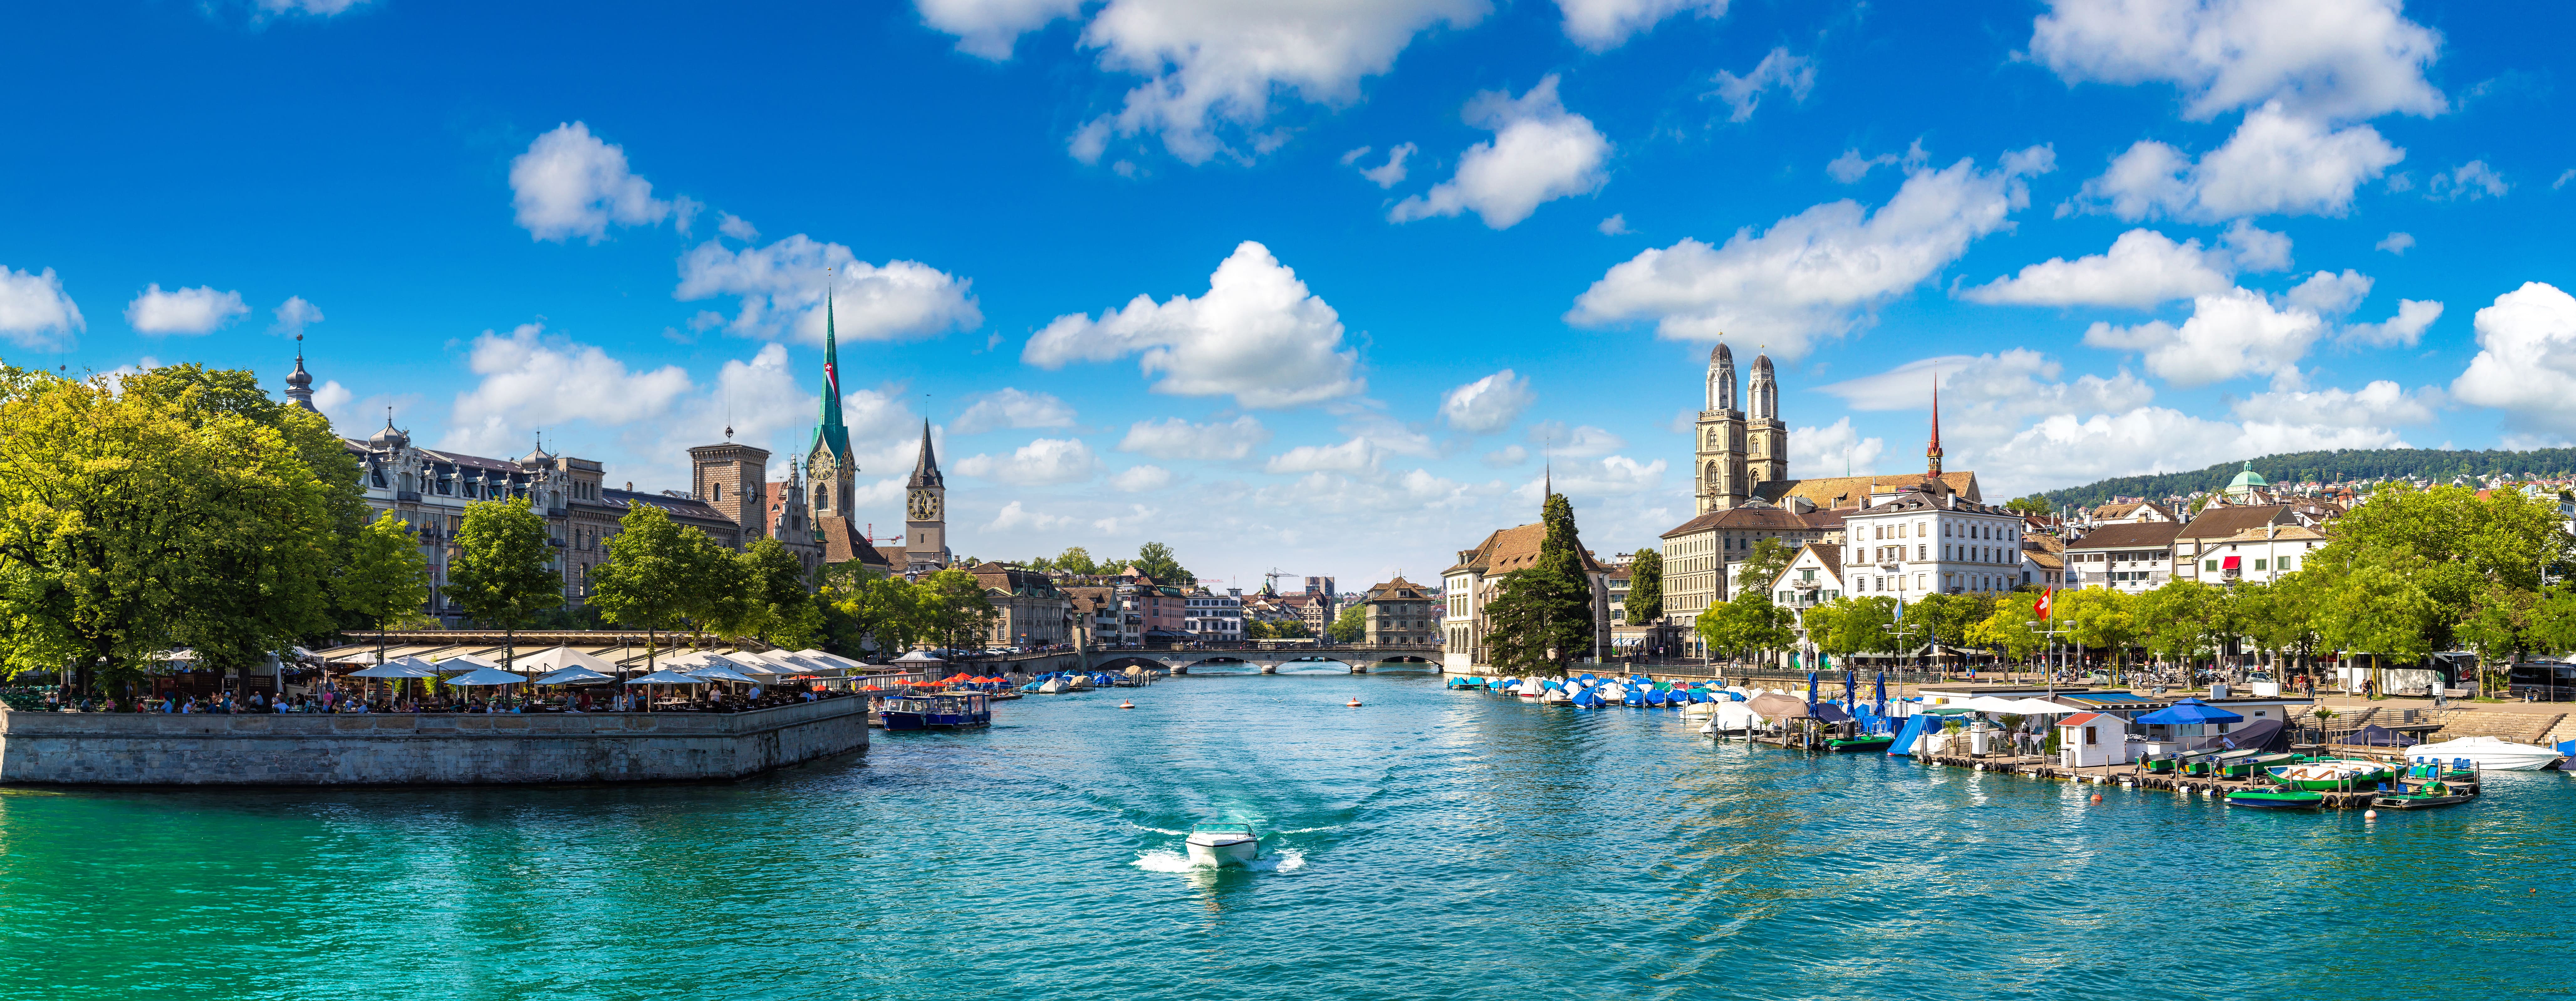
{"x": 562, "y": 657}
{"x": 718, "y": 672}
{"x": 574, "y": 675}
{"x": 666, "y": 678}
{"x": 738, "y": 663}
{"x": 467, "y": 662}
{"x": 484, "y": 677}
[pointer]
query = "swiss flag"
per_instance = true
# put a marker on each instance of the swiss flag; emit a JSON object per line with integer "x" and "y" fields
{"x": 2042, "y": 606}
{"x": 832, "y": 377}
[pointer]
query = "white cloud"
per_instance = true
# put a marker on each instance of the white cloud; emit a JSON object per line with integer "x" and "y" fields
{"x": 1489, "y": 404}
{"x": 35, "y": 312}
{"x": 1850, "y": 167}
{"x": 1986, "y": 398}
{"x": 2346, "y": 59}
{"x": 2562, "y": 180}
{"x": 2378, "y": 404}
{"x": 333, "y": 400}
{"x": 570, "y": 184}
{"x": 2275, "y": 163}
{"x": 1013, "y": 408}
{"x": 1174, "y": 438}
{"x": 1601, "y": 25}
{"x": 2256, "y": 249}
{"x": 1043, "y": 462}
{"x": 2066, "y": 449}
{"x": 1141, "y": 479}
{"x": 2406, "y": 328}
{"x": 1385, "y": 175}
{"x": 1777, "y": 70}
{"x": 763, "y": 402}
{"x": 1812, "y": 275}
{"x": 295, "y": 314}
{"x": 2142, "y": 268}
{"x": 1351, "y": 456}
{"x": 1616, "y": 225}
{"x": 317, "y": 8}
{"x": 531, "y": 381}
{"x": 989, "y": 28}
{"x": 2329, "y": 294}
{"x": 1257, "y": 335}
{"x": 1611, "y": 476}
{"x": 2230, "y": 334}
{"x": 1540, "y": 153}
{"x": 1508, "y": 455}
{"x": 2396, "y": 243}
{"x": 737, "y": 227}
{"x": 182, "y": 311}
{"x": 2526, "y": 361}
{"x": 1834, "y": 450}
{"x": 782, "y": 290}
{"x": 1580, "y": 442}
{"x": 1216, "y": 63}
{"x": 2472, "y": 180}
{"x": 1014, "y": 516}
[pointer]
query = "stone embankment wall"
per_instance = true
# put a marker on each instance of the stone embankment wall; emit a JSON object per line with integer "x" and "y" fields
{"x": 424, "y": 749}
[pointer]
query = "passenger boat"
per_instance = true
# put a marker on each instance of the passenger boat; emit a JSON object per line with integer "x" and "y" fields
{"x": 2423, "y": 797}
{"x": 2488, "y": 754}
{"x": 942, "y": 711}
{"x": 2277, "y": 799}
{"x": 2328, "y": 775}
{"x": 1222, "y": 843}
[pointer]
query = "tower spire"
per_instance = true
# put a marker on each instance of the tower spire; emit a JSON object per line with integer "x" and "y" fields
{"x": 1932, "y": 452}
{"x": 299, "y": 383}
{"x": 925, "y": 471}
{"x": 830, "y": 435}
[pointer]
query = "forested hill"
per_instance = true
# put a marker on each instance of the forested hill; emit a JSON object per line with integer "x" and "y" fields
{"x": 2343, "y": 465}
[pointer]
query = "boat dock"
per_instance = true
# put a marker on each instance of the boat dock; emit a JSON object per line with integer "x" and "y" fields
{"x": 2128, "y": 776}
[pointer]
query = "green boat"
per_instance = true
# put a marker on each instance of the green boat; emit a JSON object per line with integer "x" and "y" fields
{"x": 2330, "y": 775}
{"x": 2423, "y": 797}
{"x": 1873, "y": 743}
{"x": 2277, "y": 799}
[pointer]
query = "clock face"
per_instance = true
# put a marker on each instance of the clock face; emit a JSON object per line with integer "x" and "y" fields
{"x": 925, "y": 505}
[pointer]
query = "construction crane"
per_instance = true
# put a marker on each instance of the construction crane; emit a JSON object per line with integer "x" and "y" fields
{"x": 1272, "y": 578}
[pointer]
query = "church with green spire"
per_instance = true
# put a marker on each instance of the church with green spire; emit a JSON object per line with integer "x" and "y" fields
{"x": 832, "y": 470}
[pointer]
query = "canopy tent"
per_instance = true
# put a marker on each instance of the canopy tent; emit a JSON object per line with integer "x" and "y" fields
{"x": 1829, "y": 713}
{"x": 2190, "y": 711}
{"x": 1775, "y": 706}
{"x": 485, "y": 676}
{"x": 560, "y": 658}
{"x": 737, "y": 663}
{"x": 2039, "y": 707}
{"x": 574, "y": 675}
{"x": 2260, "y": 735}
{"x": 467, "y": 662}
{"x": 916, "y": 659}
{"x": 666, "y": 678}
{"x": 403, "y": 667}
{"x": 831, "y": 660}
{"x": 719, "y": 672}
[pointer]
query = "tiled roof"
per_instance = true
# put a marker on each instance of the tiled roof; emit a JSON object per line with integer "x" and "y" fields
{"x": 2145, "y": 535}
{"x": 2044, "y": 560}
{"x": 1514, "y": 548}
{"x": 2260, "y": 533}
{"x": 2221, "y": 522}
{"x": 1854, "y": 491}
{"x": 1748, "y": 518}
{"x": 1925, "y": 500}
{"x": 841, "y": 545}
{"x": 1398, "y": 588}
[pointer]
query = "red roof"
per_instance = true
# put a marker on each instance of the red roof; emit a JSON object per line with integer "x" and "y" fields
{"x": 2088, "y": 719}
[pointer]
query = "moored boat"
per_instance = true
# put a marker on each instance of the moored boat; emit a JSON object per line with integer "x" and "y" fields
{"x": 1864, "y": 742}
{"x": 2277, "y": 799}
{"x": 2329, "y": 775}
{"x": 1223, "y": 843}
{"x": 2488, "y": 754}
{"x": 2423, "y": 797}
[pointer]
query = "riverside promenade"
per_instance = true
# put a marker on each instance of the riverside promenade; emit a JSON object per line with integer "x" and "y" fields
{"x": 387, "y": 749}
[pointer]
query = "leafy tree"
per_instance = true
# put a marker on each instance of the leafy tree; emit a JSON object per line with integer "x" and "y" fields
{"x": 1077, "y": 560}
{"x": 1289, "y": 629}
{"x": 387, "y": 576}
{"x": 2033, "y": 504}
{"x": 882, "y": 612}
{"x": 2101, "y": 618}
{"x": 2503, "y": 623}
{"x": 1155, "y": 560}
{"x": 1751, "y": 622}
{"x": 1763, "y": 564}
{"x": 643, "y": 583}
{"x": 951, "y": 605}
{"x": 499, "y": 576}
{"x": 1519, "y": 626}
{"x": 776, "y": 607}
{"x": 2447, "y": 543}
{"x": 1567, "y": 591}
{"x": 1850, "y": 625}
{"x": 1352, "y": 625}
{"x": 2378, "y": 611}
{"x": 2175, "y": 620}
{"x": 1948, "y": 616}
{"x": 2007, "y": 627}
{"x": 1645, "y": 587}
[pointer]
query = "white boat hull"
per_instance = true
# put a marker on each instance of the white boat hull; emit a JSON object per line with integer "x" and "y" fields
{"x": 2489, "y": 754}
{"x": 1220, "y": 852}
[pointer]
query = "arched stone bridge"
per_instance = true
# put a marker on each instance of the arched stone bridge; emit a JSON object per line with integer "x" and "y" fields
{"x": 1355, "y": 658}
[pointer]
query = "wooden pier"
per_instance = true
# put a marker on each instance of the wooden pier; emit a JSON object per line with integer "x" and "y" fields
{"x": 2124, "y": 776}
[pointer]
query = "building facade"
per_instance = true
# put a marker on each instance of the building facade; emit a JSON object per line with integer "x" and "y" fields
{"x": 1215, "y": 618}
{"x": 1029, "y": 610}
{"x": 2135, "y": 557}
{"x": 1931, "y": 541}
{"x": 1477, "y": 578}
{"x": 1401, "y": 611}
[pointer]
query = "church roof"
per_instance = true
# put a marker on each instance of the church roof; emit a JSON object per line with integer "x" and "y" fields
{"x": 925, "y": 470}
{"x": 1855, "y": 491}
{"x": 830, "y": 435}
{"x": 2247, "y": 477}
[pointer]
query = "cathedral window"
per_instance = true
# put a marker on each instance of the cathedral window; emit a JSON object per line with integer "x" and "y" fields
{"x": 823, "y": 495}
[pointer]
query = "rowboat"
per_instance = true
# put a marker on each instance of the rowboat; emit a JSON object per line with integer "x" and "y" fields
{"x": 2423, "y": 797}
{"x": 1867, "y": 742}
{"x": 2328, "y": 775}
{"x": 2277, "y": 799}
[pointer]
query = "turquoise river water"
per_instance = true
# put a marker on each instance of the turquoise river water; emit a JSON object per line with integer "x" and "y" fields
{"x": 1431, "y": 844}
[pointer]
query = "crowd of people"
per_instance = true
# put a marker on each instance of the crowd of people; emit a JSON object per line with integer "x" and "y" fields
{"x": 331, "y": 698}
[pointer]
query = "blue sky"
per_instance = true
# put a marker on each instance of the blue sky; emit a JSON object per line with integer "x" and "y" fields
{"x": 1155, "y": 269}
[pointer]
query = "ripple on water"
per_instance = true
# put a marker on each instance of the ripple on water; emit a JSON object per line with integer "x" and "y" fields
{"x": 1430, "y": 844}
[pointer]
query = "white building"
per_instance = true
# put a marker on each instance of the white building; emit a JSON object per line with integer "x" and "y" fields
{"x": 2258, "y": 555}
{"x": 1215, "y": 618}
{"x": 1931, "y": 541}
{"x": 2134, "y": 557}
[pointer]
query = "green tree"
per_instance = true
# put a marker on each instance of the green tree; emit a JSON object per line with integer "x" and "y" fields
{"x": 1850, "y": 625}
{"x": 643, "y": 583}
{"x": 2033, "y": 504}
{"x": 953, "y": 607}
{"x": 1352, "y": 625}
{"x": 500, "y": 575}
{"x": 1567, "y": 591}
{"x": 1948, "y": 617}
{"x": 2100, "y": 618}
{"x": 776, "y": 607}
{"x": 1518, "y": 628}
{"x": 1761, "y": 566}
{"x": 387, "y": 576}
{"x": 2503, "y": 623}
{"x": 1750, "y": 623}
{"x": 1077, "y": 560}
{"x": 1155, "y": 560}
{"x": 882, "y": 612}
{"x": 2007, "y": 627}
{"x": 2377, "y": 611}
{"x": 1645, "y": 587}
{"x": 2174, "y": 619}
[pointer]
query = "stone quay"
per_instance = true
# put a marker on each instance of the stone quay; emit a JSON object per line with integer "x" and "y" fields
{"x": 157, "y": 749}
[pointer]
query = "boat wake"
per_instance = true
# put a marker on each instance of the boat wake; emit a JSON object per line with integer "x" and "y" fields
{"x": 1167, "y": 860}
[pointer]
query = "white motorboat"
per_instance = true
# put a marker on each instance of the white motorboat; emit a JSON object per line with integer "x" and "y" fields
{"x": 1614, "y": 693}
{"x": 2490, "y": 754}
{"x": 1053, "y": 686}
{"x": 1556, "y": 697}
{"x": 1219, "y": 843}
{"x": 1532, "y": 689}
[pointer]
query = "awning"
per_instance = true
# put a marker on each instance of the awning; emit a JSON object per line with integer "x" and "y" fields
{"x": 2231, "y": 563}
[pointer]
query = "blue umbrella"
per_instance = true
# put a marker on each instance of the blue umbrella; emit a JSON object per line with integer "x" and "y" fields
{"x": 1882, "y": 693}
{"x": 2190, "y": 711}
{"x": 1851, "y": 688}
{"x": 1811, "y": 688}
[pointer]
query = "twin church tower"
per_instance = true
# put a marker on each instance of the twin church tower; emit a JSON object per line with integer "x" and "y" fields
{"x": 834, "y": 470}
{"x": 1741, "y": 441}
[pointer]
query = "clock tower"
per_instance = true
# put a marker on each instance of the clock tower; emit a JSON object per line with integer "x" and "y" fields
{"x": 925, "y": 510}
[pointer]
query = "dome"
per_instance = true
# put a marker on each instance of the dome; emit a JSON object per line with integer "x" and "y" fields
{"x": 299, "y": 379}
{"x": 1720, "y": 353}
{"x": 1762, "y": 363}
{"x": 389, "y": 438}
{"x": 2248, "y": 478}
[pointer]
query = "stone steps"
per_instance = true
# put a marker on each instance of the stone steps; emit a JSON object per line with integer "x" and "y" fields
{"x": 2519, "y": 727}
